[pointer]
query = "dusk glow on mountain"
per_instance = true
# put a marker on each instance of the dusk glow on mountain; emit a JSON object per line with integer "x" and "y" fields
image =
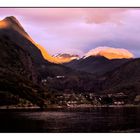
{"x": 78, "y": 30}
{"x": 69, "y": 70}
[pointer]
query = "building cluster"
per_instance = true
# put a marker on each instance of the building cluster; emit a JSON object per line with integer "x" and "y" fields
{"x": 91, "y": 98}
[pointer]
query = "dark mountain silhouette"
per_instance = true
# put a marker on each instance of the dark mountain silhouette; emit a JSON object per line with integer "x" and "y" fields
{"x": 96, "y": 64}
{"x": 125, "y": 78}
{"x": 18, "y": 76}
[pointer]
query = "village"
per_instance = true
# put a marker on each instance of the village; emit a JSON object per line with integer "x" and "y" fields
{"x": 70, "y": 98}
{"x": 92, "y": 100}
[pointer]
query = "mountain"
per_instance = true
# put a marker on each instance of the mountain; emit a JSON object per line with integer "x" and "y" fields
{"x": 24, "y": 64}
{"x": 46, "y": 64}
{"x": 64, "y": 57}
{"x": 14, "y": 30}
{"x": 101, "y": 60}
{"x": 96, "y": 64}
{"x": 12, "y": 27}
{"x": 18, "y": 76}
{"x": 125, "y": 78}
{"x": 23, "y": 67}
{"x": 17, "y": 34}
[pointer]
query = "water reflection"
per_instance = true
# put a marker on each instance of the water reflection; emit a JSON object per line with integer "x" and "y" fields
{"x": 73, "y": 120}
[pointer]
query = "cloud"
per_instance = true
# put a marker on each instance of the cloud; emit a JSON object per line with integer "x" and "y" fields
{"x": 66, "y": 15}
{"x": 103, "y": 15}
{"x": 110, "y": 53}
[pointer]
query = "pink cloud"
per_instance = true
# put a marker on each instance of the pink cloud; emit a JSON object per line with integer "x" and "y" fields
{"x": 104, "y": 15}
{"x": 110, "y": 53}
{"x": 89, "y": 15}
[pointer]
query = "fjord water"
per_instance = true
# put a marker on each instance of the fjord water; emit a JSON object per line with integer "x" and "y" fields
{"x": 119, "y": 119}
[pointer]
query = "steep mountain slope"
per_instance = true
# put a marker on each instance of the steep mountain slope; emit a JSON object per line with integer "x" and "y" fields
{"x": 11, "y": 28}
{"x": 14, "y": 30}
{"x": 96, "y": 64}
{"x": 14, "y": 33}
{"x": 18, "y": 76}
{"x": 125, "y": 78}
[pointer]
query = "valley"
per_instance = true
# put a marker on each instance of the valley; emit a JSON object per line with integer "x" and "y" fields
{"x": 29, "y": 79}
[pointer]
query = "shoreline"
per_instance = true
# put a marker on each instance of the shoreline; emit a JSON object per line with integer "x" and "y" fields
{"x": 82, "y": 106}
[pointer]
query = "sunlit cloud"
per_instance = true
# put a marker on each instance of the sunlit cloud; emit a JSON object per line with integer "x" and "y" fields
{"x": 110, "y": 53}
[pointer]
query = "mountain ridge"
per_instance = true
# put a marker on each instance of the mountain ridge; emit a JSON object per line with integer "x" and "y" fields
{"x": 96, "y": 64}
{"x": 23, "y": 68}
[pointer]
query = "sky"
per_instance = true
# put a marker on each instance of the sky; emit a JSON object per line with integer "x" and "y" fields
{"x": 79, "y": 30}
